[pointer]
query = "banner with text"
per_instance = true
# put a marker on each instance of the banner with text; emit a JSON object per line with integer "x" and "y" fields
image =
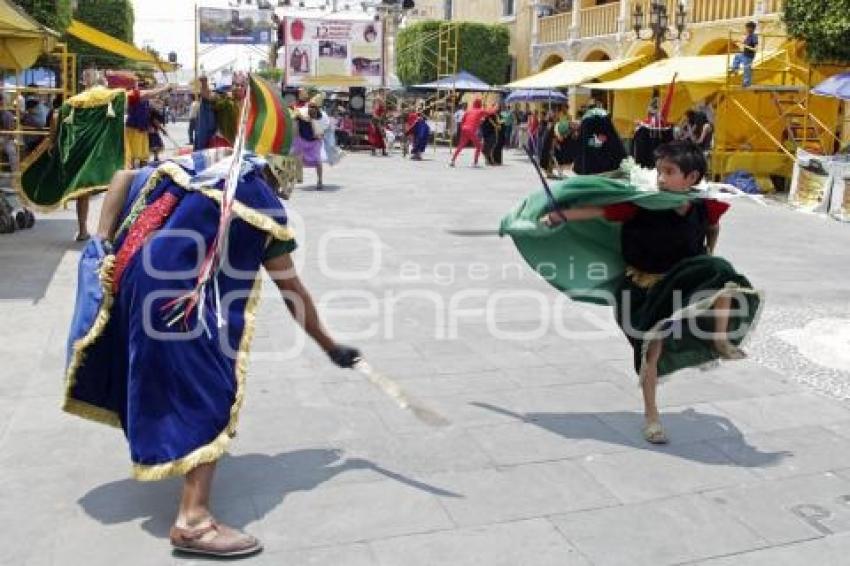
{"x": 235, "y": 26}
{"x": 348, "y": 50}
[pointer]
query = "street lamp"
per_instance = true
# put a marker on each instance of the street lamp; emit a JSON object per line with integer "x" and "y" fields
{"x": 659, "y": 21}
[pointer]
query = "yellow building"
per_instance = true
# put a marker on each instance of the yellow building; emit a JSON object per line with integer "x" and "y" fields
{"x": 546, "y": 32}
{"x": 598, "y": 30}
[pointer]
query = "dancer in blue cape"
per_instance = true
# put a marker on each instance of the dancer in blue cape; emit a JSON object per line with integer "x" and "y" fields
{"x": 175, "y": 382}
{"x": 417, "y": 130}
{"x": 650, "y": 255}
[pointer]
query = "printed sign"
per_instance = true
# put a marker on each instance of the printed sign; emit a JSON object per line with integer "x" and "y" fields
{"x": 235, "y": 26}
{"x": 332, "y": 48}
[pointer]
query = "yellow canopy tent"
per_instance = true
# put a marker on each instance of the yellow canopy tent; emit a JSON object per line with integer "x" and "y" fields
{"x": 571, "y": 73}
{"x": 22, "y": 39}
{"x": 106, "y": 42}
{"x": 697, "y": 78}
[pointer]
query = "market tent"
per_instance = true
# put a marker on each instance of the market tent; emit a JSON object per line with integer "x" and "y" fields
{"x": 459, "y": 81}
{"x": 571, "y": 73}
{"x": 535, "y": 95}
{"x": 836, "y": 86}
{"x": 22, "y": 39}
{"x": 697, "y": 78}
{"x": 106, "y": 42}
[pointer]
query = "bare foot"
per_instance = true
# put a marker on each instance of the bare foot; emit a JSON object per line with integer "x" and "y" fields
{"x": 82, "y": 236}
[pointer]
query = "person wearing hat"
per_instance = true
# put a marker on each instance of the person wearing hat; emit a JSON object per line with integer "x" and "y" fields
{"x": 307, "y": 143}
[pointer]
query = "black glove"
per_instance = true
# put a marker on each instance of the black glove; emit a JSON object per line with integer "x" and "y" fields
{"x": 344, "y": 356}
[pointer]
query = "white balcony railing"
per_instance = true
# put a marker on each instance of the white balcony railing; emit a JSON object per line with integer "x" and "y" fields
{"x": 604, "y": 20}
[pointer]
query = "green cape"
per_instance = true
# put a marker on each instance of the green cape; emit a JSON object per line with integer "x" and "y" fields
{"x": 583, "y": 258}
{"x": 87, "y": 150}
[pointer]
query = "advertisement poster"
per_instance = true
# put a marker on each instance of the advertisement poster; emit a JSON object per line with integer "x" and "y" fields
{"x": 335, "y": 48}
{"x": 235, "y": 26}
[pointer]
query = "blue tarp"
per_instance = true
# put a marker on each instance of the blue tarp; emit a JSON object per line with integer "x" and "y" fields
{"x": 529, "y": 95}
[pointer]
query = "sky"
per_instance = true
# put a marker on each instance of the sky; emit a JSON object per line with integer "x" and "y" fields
{"x": 168, "y": 25}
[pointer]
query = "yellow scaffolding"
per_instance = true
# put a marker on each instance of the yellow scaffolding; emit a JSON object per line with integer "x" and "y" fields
{"x": 447, "y": 66}
{"x": 760, "y": 127}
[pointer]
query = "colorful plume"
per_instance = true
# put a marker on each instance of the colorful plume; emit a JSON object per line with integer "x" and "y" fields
{"x": 270, "y": 125}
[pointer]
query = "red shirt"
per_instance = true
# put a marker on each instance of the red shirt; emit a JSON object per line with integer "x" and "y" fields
{"x": 625, "y": 211}
{"x": 472, "y": 119}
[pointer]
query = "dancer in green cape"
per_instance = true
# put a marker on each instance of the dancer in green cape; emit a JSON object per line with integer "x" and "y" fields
{"x": 650, "y": 255}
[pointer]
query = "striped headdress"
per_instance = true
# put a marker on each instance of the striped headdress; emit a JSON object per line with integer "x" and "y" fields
{"x": 270, "y": 124}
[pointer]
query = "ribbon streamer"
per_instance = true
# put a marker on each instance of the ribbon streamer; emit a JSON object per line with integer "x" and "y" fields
{"x": 394, "y": 390}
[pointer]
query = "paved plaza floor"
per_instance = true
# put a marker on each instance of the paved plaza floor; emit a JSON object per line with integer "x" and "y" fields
{"x": 543, "y": 463}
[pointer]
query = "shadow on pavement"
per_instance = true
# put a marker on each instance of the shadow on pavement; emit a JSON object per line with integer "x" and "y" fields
{"x": 274, "y": 477}
{"x": 596, "y": 426}
{"x": 311, "y": 188}
{"x": 29, "y": 258}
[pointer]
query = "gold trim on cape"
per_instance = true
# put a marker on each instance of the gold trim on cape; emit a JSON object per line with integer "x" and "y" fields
{"x": 254, "y": 218}
{"x": 215, "y": 449}
{"x": 693, "y": 311}
{"x": 75, "y": 406}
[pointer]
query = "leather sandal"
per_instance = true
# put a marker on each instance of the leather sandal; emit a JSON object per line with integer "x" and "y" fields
{"x": 729, "y": 351}
{"x": 225, "y": 542}
{"x": 654, "y": 434}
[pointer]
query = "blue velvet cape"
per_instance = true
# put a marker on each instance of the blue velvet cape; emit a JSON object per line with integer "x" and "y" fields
{"x": 175, "y": 390}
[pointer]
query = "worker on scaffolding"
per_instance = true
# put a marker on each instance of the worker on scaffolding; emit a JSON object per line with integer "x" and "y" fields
{"x": 748, "y": 53}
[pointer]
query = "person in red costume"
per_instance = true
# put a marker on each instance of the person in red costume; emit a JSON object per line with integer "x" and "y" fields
{"x": 376, "y": 127}
{"x": 469, "y": 131}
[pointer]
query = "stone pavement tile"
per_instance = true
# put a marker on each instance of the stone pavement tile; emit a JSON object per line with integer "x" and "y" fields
{"x": 840, "y": 428}
{"x": 546, "y": 438}
{"x": 440, "y": 450}
{"x": 303, "y": 424}
{"x": 445, "y": 385}
{"x": 573, "y": 399}
{"x": 791, "y": 410}
{"x": 460, "y": 410}
{"x": 827, "y": 551}
{"x": 654, "y": 473}
{"x": 683, "y": 425}
{"x": 130, "y": 542}
{"x": 693, "y": 386}
{"x": 520, "y": 492}
{"x": 798, "y": 451}
{"x": 509, "y": 355}
{"x": 758, "y": 380}
{"x": 789, "y": 510}
{"x": 78, "y": 446}
{"x": 358, "y": 554}
{"x": 668, "y": 531}
{"x": 340, "y": 514}
{"x": 581, "y": 370}
{"x": 533, "y": 542}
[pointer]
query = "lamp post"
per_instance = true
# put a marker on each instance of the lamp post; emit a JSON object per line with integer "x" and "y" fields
{"x": 659, "y": 21}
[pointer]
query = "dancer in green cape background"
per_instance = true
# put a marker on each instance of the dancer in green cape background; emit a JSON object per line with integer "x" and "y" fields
{"x": 650, "y": 255}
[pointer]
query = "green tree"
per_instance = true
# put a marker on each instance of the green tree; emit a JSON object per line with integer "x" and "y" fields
{"x": 112, "y": 17}
{"x": 823, "y": 24}
{"x": 482, "y": 51}
{"x": 55, "y": 14}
